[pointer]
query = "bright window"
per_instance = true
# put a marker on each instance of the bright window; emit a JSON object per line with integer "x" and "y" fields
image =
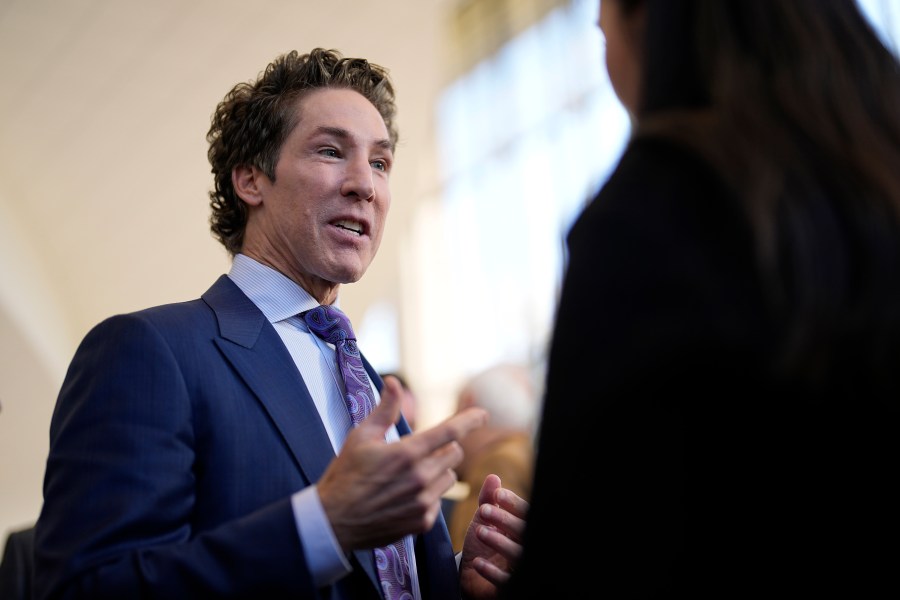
{"x": 525, "y": 139}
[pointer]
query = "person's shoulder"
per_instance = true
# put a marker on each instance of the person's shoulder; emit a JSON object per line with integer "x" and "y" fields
{"x": 223, "y": 291}
{"x": 663, "y": 200}
{"x": 174, "y": 317}
{"x": 653, "y": 168}
{"x": 660, "y": 180}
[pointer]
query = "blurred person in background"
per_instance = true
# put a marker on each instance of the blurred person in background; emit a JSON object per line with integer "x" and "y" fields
{"x": 504, "y": 446}
{"x": 409, "y": 402}
{"x": 17, "y": 566}
{"x": 722, "y": 399}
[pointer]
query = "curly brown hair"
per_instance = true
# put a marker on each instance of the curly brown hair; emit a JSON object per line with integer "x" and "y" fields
{"x": 254, "y": 119}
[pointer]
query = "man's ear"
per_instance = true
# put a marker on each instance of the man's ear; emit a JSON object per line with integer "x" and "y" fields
{"x": 245, "y": 180}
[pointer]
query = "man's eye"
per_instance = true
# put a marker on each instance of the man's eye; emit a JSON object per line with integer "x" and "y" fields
{"x": 380, "y": 165}
{"x": 329, "y": 152}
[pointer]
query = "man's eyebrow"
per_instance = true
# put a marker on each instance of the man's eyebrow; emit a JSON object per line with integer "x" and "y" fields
{"x": 340, "y": 132}
{"x": 385, "y": 144}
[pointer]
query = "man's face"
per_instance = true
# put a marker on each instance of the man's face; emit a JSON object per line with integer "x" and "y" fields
{"x": 321, "y": 220}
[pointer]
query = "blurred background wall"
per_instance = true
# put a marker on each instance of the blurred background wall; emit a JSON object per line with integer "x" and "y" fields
{"x": 507, "y": 127}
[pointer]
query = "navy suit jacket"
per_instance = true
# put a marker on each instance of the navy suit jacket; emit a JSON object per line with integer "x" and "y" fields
{"x": 179, "y": 435}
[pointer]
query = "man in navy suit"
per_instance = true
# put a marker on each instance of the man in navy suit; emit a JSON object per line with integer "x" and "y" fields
{"x": 203, "y": 449}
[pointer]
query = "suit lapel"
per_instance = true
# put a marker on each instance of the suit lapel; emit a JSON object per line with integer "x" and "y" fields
{"x": 252, "y": 346}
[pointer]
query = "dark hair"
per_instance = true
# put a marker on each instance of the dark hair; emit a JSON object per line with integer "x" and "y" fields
{"x": 798, "y": 105}
{"x": 400, "y": 378}
{"x": 252, "y": 122}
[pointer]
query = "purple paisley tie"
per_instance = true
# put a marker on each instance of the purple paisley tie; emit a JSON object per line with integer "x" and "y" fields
{"x": 334, "y": 327}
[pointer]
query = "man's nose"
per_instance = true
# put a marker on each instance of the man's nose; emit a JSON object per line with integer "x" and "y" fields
{"x": 359, "y": 180}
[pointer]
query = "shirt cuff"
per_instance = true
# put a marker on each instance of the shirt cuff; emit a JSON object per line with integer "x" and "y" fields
{"x": 327, "y": 562}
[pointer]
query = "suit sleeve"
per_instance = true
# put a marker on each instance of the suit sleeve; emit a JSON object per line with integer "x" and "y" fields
{"x": 119, "y": 490}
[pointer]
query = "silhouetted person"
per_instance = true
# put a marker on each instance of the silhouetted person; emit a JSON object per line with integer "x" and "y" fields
{"x": 723, "y": 390}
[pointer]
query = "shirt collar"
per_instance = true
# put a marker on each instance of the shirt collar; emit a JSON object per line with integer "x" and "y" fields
{"x": 277, "y": 296}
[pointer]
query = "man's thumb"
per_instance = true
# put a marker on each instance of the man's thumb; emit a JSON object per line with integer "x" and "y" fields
{"x": 388, "y": 410}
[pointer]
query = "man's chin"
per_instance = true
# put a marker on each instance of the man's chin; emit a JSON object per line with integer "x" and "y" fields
{"x": 349, "y": 275}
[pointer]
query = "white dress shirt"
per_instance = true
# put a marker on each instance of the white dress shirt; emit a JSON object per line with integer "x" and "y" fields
{"x": 281, "y": 301}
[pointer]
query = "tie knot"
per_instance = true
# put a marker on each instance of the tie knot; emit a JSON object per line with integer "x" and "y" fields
{"x": 329, "y": 323}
